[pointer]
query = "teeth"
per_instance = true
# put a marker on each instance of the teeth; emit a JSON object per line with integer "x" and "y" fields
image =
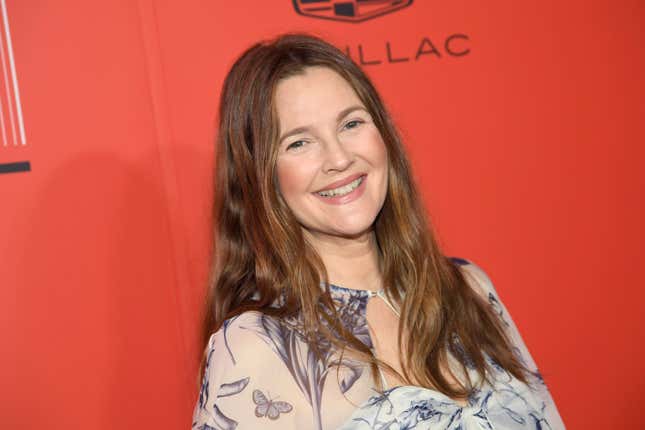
{"x": 341, "y": 191}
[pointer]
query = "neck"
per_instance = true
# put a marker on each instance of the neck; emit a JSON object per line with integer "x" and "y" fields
{"x": 350, "y": 262}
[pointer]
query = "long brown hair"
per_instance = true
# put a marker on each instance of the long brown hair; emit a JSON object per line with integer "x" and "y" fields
{"x": 261, "y": 255}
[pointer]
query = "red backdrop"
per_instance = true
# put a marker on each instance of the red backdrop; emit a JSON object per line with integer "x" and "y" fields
{"x": 528, "y": 149}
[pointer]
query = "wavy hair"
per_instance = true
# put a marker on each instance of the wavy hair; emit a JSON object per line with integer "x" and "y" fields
{"x": 260, "y": 253}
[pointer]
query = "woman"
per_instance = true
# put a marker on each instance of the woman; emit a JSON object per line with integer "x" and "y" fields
{"x": 331, "y": 304}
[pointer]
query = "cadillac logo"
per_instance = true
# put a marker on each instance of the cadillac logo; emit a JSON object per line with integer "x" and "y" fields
{"x": 348, "y": 10}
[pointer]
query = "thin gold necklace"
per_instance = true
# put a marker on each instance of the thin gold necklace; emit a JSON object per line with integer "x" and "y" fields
{"x": 381, "y": 293}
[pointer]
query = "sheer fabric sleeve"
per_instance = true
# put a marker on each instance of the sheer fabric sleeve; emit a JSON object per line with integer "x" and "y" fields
{"x": 482, "y": 284}
{"x": 244, "y": 386}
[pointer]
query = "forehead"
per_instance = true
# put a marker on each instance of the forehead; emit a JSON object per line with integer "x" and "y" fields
{"x": 315, "y": 96}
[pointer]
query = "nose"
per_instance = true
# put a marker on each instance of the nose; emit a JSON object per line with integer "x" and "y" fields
{"x": 337, "y": 156}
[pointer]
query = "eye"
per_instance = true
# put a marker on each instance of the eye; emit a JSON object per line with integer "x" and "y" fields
{"x": 296, "y": 145}
{"x": 353, "y": 123}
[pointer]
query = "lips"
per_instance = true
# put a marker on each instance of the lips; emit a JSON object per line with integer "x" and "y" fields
{"x": 344, "y": 199}
{"x": 341, "y": 182}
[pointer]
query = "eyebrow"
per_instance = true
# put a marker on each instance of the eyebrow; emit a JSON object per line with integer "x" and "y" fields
{"x": 340, "y": 116}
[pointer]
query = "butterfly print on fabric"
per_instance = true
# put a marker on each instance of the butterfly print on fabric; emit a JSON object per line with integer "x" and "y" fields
{"x": 286, "y": 338}
{"x": 267, "y": 407}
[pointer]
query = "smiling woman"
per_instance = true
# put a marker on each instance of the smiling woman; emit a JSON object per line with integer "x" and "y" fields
{"x": 332, "y": 166}
{"x": 330, "y": 303}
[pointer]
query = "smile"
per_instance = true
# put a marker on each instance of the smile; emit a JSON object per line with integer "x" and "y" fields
{"x": 341, "y": 191}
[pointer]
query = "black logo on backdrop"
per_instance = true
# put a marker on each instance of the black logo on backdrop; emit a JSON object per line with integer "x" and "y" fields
{"x": 348, "y": 10}
{"x": 455, "y": 45}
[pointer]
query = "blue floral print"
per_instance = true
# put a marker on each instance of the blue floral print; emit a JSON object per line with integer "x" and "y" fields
{"x": 273, "y": 356}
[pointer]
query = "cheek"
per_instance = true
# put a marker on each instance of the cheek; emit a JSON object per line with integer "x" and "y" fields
{"x": 378, "y": 158}
{"x": 291, "y": 178}
{"x": 382, "y": 154}
{"x": 376, "y": 150}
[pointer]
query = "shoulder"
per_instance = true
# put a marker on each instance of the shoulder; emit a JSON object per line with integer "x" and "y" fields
{"x": 476, "y": 277}
{"x": 241, "y": 339}
{"x": 481, "y": 283}
{"x": 235, "y": 379}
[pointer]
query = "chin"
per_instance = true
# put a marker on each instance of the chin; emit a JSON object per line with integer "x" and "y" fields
{"x": 353, "y": 230}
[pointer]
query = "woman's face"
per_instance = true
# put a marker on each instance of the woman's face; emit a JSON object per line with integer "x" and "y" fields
{"x": 332, "y": 163}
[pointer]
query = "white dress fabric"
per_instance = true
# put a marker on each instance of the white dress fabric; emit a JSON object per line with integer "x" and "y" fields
{"x": 261, "y": 374}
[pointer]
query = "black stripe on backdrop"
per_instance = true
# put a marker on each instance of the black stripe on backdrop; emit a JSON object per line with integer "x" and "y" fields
{"x": 19, "y": 166}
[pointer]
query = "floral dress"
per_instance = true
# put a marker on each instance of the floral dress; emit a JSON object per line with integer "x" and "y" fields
{"x": 261, "y": 374}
